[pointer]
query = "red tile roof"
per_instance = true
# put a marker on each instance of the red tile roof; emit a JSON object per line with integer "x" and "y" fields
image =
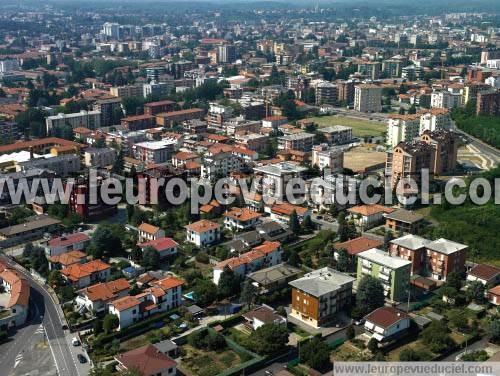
{"x": 160, "y": 244}
{"x": 66, "y": 240}
{"x": 484, "y": 271}
{"x": 148, "y": 360}
{"x": 357, "y": 245}
{"x": 385, "y": 316}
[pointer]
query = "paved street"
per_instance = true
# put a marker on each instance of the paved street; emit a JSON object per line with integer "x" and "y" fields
{"x": 44, "y": 310}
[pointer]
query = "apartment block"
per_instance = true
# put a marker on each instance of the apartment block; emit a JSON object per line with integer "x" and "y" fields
{"x": 297, "y": 141}
{"x": 331, "y": 157}
{"x": 368, "y": 98}
{"x": 392, "y": 272}
{"x": 87, "y": 119}
{"x": 337, "y": 134}
{"x": 319, "y": 295}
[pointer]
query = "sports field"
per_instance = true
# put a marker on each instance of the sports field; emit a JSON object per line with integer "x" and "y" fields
{"x": 360, "y": 127}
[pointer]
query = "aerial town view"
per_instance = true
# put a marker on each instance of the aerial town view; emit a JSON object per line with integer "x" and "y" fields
{"x": 265, "y": 188}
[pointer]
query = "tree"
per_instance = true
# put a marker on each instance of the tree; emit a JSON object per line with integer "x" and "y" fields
{"x": 343, "y": 263}
{"x": 370, "y": 295}
{"x": 150, "y": 258}
{"x": 495, "y": 330}
{"x": 136, "y": 254}
{"x": 436, "y": 337}
{"x": 307, "y": 224}
{"x": 248, "y": 293}
{"x": 454, "y": 280}
{"x": 293, "y": 259}
{"x": 205, "y": 292}
{"x": 408, "y": 355}
{"x": 97, "y": 327}
{"x": 350, "y": 333}
{"x": 229, "y": 283}
{"x": 475, "y": 291}
{"x": 119, "y": 163}
{"x": 55, "y": 279}
{"x": 294, "y": 223}
{"x": 110, "y": 322}
{"x": 105, "y": 241}
{"x": 343, "y": 231}
{"x": 372, "y": 345}
{"x": 387, "y": 239}
{"x": 316, "y": 354}
{"x": 269, "y": 339}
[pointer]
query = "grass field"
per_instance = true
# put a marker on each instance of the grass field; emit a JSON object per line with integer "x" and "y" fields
{"x": 360, "y": 128}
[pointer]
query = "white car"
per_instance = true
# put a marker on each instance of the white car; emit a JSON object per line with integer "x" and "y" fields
{"x": 75, "y": 341}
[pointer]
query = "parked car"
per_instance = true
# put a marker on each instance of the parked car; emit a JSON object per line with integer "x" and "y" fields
{"x": 359, "y": 322}
{"x": 75, "y": 341}
{"x": 81, "y": 358}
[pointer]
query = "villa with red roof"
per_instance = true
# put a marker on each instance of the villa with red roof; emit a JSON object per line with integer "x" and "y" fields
{"x": 95, "y": 297}
{"x": 203, "y": 233}
{"x": 83, "y": 275}
{"x": 166, "y": 247}
{"x": 148, "y": 232}
{"x": 386, "y": 322}
{"x": 72, "y": 242}
{"x": 148, "y": 361}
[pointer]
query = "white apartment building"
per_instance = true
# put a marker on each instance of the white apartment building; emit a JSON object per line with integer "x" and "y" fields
{"x": 99, "y": 157}
{"x": 220, "y": 164}
{"x": 86, "y": 119}
{"x": 368, "y": 98}
{"x": 203, "y": 233}
{"x": 297, "y": 141}
{"x": 331, "y": 157}
{"x": 446, "y": 99}
{"x": 274, "y": 177}
{"x": 156, "y": 152}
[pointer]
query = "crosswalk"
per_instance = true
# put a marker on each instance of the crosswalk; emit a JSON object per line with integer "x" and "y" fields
{"x": 18, "y": 359}
{"x": 40, "y": 330}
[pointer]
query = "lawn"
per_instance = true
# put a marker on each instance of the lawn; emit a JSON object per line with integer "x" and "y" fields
{"x": 208, "y": 363}
{"x": 360, "y": 127}
{"x": 348, "y": 352}
{"x": 415, "y": 345}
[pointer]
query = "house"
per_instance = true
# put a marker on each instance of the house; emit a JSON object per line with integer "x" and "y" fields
{"x": 163, "y": 296}
{"x": 405, "y": 221}
{"x": 203, "y": 233}
{"x": 494, "y": 295}
{"x": 33, "y": 228}
{"x": 488, "y": 275}
{"x": 95, "y": 297}
{"x": 83, "y": 275}
{"x": 282, "y": 212}
{"x": 14, "y": 310}
{"x": 319, "y": 295}
{"x": 148, "y": 361}
{"x": 386, "y": 323}
{"x": 67, "y": 259}
{"x": 443, "y": 257}
{"x": 72, "y": 242}
{"x": 274, "y": 277}
{"x": 264, "y": 255}
{"x": 392, "y": 272}
{"x": 273, "y": 231}
{"x": 149, "y": 232}
{"x": 368, "y": 216}
{"x": 261, "y": 316}
{"x": 355, "y": 246}
{"x": 240, "y": 219}
{"x": 166, "y": 247}
{"x": 412, "y": 248}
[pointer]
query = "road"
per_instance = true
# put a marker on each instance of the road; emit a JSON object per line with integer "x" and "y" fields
{"x": 46, "y": 311}
{"x": 486, "y": 150}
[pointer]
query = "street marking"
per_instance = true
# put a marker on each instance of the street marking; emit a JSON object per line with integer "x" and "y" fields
{"x": 18, "y": 359}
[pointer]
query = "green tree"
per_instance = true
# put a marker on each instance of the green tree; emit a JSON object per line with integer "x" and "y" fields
{"x": 370, "y": 294}
{"x": 454, "y": 280}
{"x": 307, "y": 224}
{"x": 495, "y": 330}
{"x": 269, "y": 339}
{"x": 248, "y": 293}
{"x": 343, "y": 230}
{"x": 387, "y": 240}
{"x": 436, "y": 337}
{"x": 106, "y": 241}
{"x": 294, "y": 223}
{"x": 350, "y": 333}
{"x": 343, "y": 263}
{"x": 409, "y": 355}
{"x": 150, "y": 258}
{"x": 316, "y": 354}
{"x": 229, "y": 283}
{"x": 205, "y": 292}
{"x": 110, "y": 322}
{"x": 475, "y": 291}
{"x": 293, "y": 259}
{"x": 372, "y": 345}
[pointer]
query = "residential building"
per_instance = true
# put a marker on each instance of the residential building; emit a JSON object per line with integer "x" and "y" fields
{"x": 405, "y": 221}
{"x": 99, "y": 157}
{"x": 297, "y": 141}
{"x": 226, "y": 53}
{"x": 168, "y": 119}
{"x": 488, "y": 103}
{"x": 368, "y": 98}
{"x": 402, "y": 128}
{"x": 488, "y": 275}
{"x": 263, "y": 256}
{"x": 203, "y": 233}
{"x": 17, "y": 300}
{"x": 63, "y": 165}
{"x": 494, "y": 295}
{"x": 32, "y": 229}
{"x": 331, "y": 157}
{"x": 444, "y": 257}
{"x": 319, "y": 295}
{"x": 386, "y": 324}
{"x": 67, "y": 259}
{"x": 217, "y": 115}
{"x": 326, "y": 93}
{"x": 446, "y": 99}
{"x": 240, "y": 219}
{"x": 412, "y": 248}
{"x": 274, "y": 278}
{"x": 369, "y": 215}
{"x": 355, "y": 246}
{"x": 110, "y": 110}
{"x": 84, "y": 275}
{"x": 220, "y": 164}
{"x": 66, "y": 243}
{"x": 337, "y": 134}
{"x": 127, "y": 91}
{"x": 86, "y": 200}
{"x": 263, "y": 315}
{"x": 149, "y": 232}
{"x": 163, "y": 296}
{"x": 392, "y": 272}
{"x": 154, "y": 152}
{"x": 154, "y": 108}
{"x": 166, "y": 247}
{"x": 138, "y": 122}
{"x": 370, "y": 69}
{"x": 282, "y": 212}
{"x": 275, "y": 177}
{"x": 9, "y": 131}
{"x": 95, "y": 298}
{"x": 148, "y": 361}
{"x": 158, "y": 89}
{"x": 87, "y": 119}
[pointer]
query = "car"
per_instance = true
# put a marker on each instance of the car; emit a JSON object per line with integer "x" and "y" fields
{"x": 359, "y": 322}
{"x": 75, "y": 341}
{"x": 81, "y": 358}
{"x": 64, "y": 327}
{"x": 319, "y": 217}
